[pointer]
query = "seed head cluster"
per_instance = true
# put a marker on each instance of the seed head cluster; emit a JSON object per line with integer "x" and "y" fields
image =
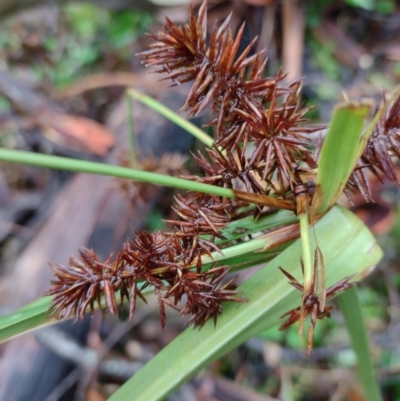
{"x": 169, "y": 262}
{"x": 382, "y": 148}
{"x": 262, "y": 145}
{"x": 248, "y": 108}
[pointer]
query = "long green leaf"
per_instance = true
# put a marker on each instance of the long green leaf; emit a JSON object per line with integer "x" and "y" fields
{"x": 339, "y": 153}
{"x": 247, "y": 226}
{"x": 351, "y": 309}
{"x": 343, "y": 146}
{"x": 25, "y": 319}
{"x": 348, "y": 248}
{"x": 83, "y": 166}
{"x": 172, "y": 115}
{"x": 131, "y": 131}
{"x": 68, "y": 164}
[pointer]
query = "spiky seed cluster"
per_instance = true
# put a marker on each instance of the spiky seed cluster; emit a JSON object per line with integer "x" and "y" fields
{"x": 170, "y": 262}
{"x": 255, "y": 109}
{"x": 200, "y": 213}
{"x": 217, "y": 71}
{"x": 381, "y": 148}
{"x": 204, "y": 294}
{"x": 385, "y": 143}
{"x": 258, "y": 111}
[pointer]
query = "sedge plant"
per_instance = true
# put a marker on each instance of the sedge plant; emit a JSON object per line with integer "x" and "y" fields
{"x": 265, "y": 186}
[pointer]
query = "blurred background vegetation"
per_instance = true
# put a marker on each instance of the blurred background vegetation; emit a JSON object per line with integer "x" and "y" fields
{"x": 64, "y": 69}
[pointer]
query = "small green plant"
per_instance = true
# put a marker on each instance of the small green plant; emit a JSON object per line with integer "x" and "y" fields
{"x": 263, "y": 176}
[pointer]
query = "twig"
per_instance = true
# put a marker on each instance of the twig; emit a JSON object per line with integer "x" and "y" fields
{"x": 64, "y": 385}
{"x": 85, "y": 358}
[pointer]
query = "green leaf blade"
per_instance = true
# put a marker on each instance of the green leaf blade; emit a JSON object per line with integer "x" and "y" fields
{"x": 83, "y": 166}
{"x": 350, "y": 306}
{"x": 25, "y": 319}
{"x": 339, "y": 153}
{"x": 172, "y": 116}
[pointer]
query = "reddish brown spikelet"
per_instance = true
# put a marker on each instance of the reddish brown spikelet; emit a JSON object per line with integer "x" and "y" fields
{"x": 385, "y": 143}
{"x": 200, "y": 214}
{"x": 162, "y": 260}
{"x": 228, "y": 169}
{"x": 311, "y": 304}
{"x": 281, "y": 145}
{"x": 381, "y": 148}
{"x": 204, "y": 294}
{"x": 179, "y": 51}
{"x": 248, "y": 109}
{"x": 217, "y": 70}
{"x": 79, "y": 285}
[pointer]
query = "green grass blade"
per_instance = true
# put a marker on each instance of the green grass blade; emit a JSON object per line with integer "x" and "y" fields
{"x": 27, "y": 318}
{"x": 131, "y": 130}
{"x": 83, "y": 166}
{"x": 343, "y": 146}
{"x": 342, "y": 237}
{"x": 351, "y": 309}
{"x": 251, "y": 259}
{"x": 173, "y": 116}
{"x": 339, "y": 153}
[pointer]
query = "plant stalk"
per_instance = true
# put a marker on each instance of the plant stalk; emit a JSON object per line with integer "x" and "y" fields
{"x": 260, "y": 244}
{"x": 306, "y": 254}
{"x": 131, "y": 130}
{"x": 68, "y": 164}
{"x": 351, "y": 309}
{"x": 302, "y": 206}
{"x": 172, "y": 116}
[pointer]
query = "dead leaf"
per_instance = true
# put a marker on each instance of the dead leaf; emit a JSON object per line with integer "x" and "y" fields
{"x": 76, "y": 132}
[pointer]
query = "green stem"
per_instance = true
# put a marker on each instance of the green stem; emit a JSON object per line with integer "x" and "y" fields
{"x": 64, "y": 163}
{"x": 246, "y": 226}
{"x": 351, "y": 309}
{"x": 287, "y": 390}
{"x": 172, "y": 115}
{"x": 131, "y": 130}
{"x": 305, "y": 241}
{"x": 236, "y": 250}
{"x": 261, "y": 244}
